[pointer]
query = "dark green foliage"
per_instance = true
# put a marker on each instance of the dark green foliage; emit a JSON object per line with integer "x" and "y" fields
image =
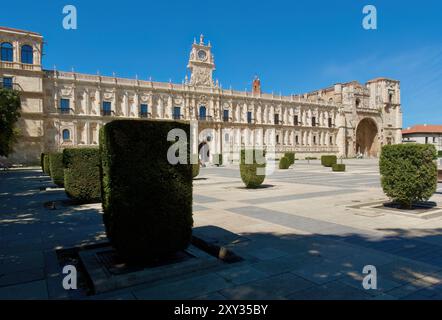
{"x": 439, "y": 153}
{"x": 329, "y": 161}
{"x": 249, "y": 174}
{"x": 291, "y": 157}
{"x": 57, "y": 168}
{"x": 218, "y": 159}
{"x": 46, "y": 166}
{"x": 408, "y": 172}
{"x": 9, "y": 114}
{"x": 284, "y": 163}
{"x": 42, "y": 157}
{"x": 338, "y": 167}
{"x": 147, "y": 201}
{"x": 82, "y": 174}
{"x": 195, "y": 170}
{"x": 311, "y": 158}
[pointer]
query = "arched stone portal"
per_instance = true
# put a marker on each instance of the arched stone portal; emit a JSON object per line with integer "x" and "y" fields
{"x": 367, "y": 138}
{"x": 204, "y": 152}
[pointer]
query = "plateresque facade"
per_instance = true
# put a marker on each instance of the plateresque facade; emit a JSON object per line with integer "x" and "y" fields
{"x": 65, "y": 109}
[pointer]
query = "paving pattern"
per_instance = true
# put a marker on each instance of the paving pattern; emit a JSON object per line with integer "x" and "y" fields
{"x": 298, "y": 235}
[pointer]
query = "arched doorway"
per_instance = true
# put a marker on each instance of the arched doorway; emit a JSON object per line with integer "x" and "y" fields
{"x": 367, "y": 138}
{"x": 204, "y": 152}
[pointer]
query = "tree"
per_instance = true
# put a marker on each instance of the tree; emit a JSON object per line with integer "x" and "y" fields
{"x": 9, "y": 114}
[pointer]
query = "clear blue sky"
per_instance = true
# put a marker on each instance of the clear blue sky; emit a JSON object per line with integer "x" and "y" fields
{"x": 294, "y": 46}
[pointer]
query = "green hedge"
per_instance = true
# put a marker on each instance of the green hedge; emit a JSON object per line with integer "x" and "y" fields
{"x": 329, "y": 161}
{"x": 408, "y": 172}
{"x": 284, "y": 163}
{"x": 195, "y": 170}
{"x": 147, "y": 201}
{"x": 291, "y": 157}
{"x": 218, "y": 159}
{"x": 439, "y": 153}
{"x": 46, "y": 166}
{"x": 338, "y": 167}
{"x": 57, "y": 168}
{"x": 82, "y": 174}
{"x": 311, "y": 158}
{"x": 248, "y": 171}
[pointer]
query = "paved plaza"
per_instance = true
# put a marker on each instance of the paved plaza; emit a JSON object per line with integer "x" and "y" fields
{"x": 306, "y": 234}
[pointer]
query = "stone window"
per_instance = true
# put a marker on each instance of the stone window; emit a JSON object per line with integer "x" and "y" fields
{"x": 176, "y": 113}
{"x": 6, "y": 53}
{"x": 27, "y": 54}
{"x": 313, "y": 121}
{"x": 226, "y": 115}
{"x": 7, "y": 83}
{"x": 66, "y": 135}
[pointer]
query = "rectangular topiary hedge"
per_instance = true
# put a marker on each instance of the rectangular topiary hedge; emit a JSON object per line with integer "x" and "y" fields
{"x": 329, "y": 161}
{"x": 82, "y": 174}
{"x": 57, "y": 168}
{"x": 218, "y": 159}
{"x": 338, "y": 167}
{"x": 147, "y": 201}
{"x": 408, "y": 172}
{"x": 291, "y": 157}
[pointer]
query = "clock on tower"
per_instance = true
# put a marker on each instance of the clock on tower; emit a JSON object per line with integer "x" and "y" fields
{"x": 201, "y": 64}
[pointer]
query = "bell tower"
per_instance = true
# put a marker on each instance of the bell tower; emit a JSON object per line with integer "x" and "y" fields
{"x": 201, "y": 64}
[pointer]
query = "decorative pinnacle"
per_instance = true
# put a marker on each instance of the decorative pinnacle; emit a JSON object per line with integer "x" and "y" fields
{"x": 201, "y": 39}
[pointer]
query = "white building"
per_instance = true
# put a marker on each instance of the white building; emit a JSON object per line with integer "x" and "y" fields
{"x": 63, "y": 109}
{"x": 429, "y": 134}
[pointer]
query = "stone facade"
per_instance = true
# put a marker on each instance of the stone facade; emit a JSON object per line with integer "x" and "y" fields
{"x": 62, "y": 109}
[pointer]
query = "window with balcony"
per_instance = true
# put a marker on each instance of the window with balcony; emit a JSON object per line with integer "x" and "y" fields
{"x": 202, "y": 113}
{"x": 64, "y": 106}
{"x": 249, "y": 117}
{"x": 107, "y": 108}
{"x": 226, "y": 115}
{"x": 144, "y": 110}
{"x": 313, "y": 121}
{"x": 6, "y": 52}
{"x": 176, "y": 113}
{"x": 7, "y": 83}
{"x": 66, "y": 135}
{"x": 27, "y": 54}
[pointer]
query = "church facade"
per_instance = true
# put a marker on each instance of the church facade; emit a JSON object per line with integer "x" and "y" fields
{"x": 67, "y": 109}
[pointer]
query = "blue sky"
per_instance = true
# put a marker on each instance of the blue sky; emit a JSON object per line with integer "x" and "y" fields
{"x": 294, "y": 46}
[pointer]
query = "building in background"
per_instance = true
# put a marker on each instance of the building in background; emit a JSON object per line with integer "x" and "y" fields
{"x": 66, "y": 109}
{"x": 431, "y": 134}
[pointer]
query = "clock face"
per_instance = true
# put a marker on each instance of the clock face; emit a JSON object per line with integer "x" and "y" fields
{"x": 202, "y": 55}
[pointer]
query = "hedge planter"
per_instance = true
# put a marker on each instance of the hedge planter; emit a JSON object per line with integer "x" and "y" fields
{"x": 195, "y": 170}
{"x": 82, "y": 174}
{"x": 408, "y": 172}
{"x": 291, "y": 157}
{"x": 338, "y": 167}
{"x": 218, "y": 159}
{"x": 147, "y": 201}
{"x": 46, "y": 166}
{"x": 284, "y": 163}
{"x": 252, "y": 174}
{"x": 329, "y": 161}
{"x": 57, "y": 168}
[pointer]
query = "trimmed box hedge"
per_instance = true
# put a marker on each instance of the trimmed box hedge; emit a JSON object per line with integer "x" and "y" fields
{"x": 338, "y": 167}
{"x": 408, "y": 172}
{"x": 329, "y": 161}
{"x": 249, "y": 171}
{"x": 46, "y": 166}
{"x": 147, "y": 201}
{"x": 195, "y": 170}
{"x": 291, "y": 157}
{"x": 284, "y": 163}
{"x": 218, "y": 159}
{"x": 82, "y": 174}
{"x": 439, "y": 153}
{"x": 57, "y": 168}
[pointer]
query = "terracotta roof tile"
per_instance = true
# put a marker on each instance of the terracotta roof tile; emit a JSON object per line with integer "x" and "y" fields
{"x": 423, "y": 129}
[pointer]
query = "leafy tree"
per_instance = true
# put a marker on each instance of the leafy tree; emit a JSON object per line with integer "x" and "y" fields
{"x": 9, "y": 114}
